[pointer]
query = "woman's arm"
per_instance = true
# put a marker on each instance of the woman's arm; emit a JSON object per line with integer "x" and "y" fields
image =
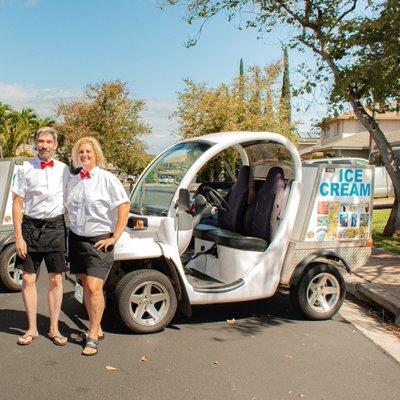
{"x": 122, "y": 219}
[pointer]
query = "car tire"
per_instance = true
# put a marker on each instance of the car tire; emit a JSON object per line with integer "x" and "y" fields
{"x": 9, "y": 276}
{"x": 320, "y": 292}
{"x": 146, "y": 301}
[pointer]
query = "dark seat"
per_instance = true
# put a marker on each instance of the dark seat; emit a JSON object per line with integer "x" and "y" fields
{"x": 201, "y": 230}
{"x": 233, "y": 219}
{"x": 235, "y": 240}
{"x": 261, "y": 219}
{"x": 262, "y": 216}
{"x": 237, "y": 200}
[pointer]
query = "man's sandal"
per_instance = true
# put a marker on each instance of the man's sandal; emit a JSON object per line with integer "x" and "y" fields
{"x": 58, "y": 340}
{"x": 26, "y": 339}
{"x": 82, "y": 337}
{"x": 91, "y": 344}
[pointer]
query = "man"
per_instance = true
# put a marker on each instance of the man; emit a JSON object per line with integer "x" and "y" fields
{"x": 38, "y": 190}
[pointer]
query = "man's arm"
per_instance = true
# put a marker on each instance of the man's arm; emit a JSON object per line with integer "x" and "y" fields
{"x": 20, "y": 244}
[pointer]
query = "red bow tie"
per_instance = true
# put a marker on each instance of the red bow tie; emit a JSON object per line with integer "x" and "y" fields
{"x": 84, "y": 174}
{"x": 44, "y": 164}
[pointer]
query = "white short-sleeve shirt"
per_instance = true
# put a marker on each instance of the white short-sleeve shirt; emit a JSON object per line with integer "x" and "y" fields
{"x": 43, "y": 190}
{"x": 92, "y": 202}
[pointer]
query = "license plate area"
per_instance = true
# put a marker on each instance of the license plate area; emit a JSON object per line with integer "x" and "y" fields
{"x": 78, "y": 293}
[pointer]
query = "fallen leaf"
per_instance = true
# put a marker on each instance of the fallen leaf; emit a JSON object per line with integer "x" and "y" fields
{"x": 109, "y": 368}
{"x": 231, "y": 321}
{"x": 143, "y": 358}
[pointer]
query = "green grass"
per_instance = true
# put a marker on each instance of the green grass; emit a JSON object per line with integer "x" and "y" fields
{"x": 379, "y": 220}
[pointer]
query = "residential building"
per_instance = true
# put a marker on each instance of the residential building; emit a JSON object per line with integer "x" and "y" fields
{"x": 344, "y": 135}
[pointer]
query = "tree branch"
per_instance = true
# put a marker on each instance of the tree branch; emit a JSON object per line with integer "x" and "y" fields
{"x": 351, "y": 9}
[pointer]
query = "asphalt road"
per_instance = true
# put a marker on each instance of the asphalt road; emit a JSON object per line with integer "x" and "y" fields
{"x": 269, "y": 353}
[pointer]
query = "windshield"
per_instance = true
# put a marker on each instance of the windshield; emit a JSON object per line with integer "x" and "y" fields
{"x": 156, "y": 188}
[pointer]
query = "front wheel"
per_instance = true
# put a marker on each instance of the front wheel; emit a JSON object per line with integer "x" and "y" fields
{"x": 320, "y": 292}
{"x": 9, "y": 275}
{"x": 146, "y": 301}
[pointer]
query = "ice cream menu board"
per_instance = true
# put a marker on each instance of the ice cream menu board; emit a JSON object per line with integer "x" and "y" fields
{"x": 342, "y": 208}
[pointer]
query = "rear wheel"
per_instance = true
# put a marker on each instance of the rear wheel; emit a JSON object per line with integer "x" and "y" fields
{"x": 320, "y": 292}
{"x": 146, "y": 301}
{"x": 10, "y": 276}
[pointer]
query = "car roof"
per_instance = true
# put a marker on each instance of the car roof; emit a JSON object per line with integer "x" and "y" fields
{"x": 333, "y": 159}
{"x": 223, "y": 137}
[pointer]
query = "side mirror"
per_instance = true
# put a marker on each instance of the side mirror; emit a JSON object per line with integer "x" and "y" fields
{"x": 183, "y": 201}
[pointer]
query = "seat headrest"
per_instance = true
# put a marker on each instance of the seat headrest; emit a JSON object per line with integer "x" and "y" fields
{"x": 275, "y": 172}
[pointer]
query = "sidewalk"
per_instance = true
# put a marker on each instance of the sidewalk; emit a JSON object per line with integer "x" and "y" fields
{"x": 378, "y": 281}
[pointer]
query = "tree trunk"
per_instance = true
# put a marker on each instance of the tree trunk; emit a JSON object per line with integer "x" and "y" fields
{"x": 392, "y": 227}
{"x": 229, "y": 170}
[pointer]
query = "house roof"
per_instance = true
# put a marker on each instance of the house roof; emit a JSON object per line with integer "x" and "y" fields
{"x": 390, "y": 115}
{"x": 358, "y": 141}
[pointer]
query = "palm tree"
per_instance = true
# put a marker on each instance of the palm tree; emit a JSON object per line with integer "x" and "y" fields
{"x": 4, "y": 115}
{"x": 48, "y": 121}
{"x": 21, "y": 127}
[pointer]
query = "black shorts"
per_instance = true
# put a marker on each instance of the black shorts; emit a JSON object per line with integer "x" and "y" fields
{"x": 85, "y": 259}
{"x": 54, "y": 260}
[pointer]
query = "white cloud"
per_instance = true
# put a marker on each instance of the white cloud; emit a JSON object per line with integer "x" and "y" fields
{"x": 44, "y": 101}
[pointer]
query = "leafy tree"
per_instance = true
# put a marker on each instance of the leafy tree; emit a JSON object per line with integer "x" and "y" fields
{"x": 285, "y": 106}
{"x": 16, "y": 128}
{"x": 248, "y": 103}
{"x": 108, "y": 113}
{"x": 357, "y": 48}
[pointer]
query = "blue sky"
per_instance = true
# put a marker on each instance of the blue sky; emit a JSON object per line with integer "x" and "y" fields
{"x": 52, "y": 48}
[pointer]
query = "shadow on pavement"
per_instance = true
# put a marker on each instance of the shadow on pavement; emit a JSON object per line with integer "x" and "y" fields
{"x": 76, "y": 312}
{"x": 14, "y": 322}
{"x": 246, "y": 318}
{"x": 3, "y": 289}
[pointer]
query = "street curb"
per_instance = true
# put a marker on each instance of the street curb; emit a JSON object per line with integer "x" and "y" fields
{"x": 370, "y": 293}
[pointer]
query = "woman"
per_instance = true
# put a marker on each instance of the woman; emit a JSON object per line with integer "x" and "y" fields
{"x": 98, "y": 208}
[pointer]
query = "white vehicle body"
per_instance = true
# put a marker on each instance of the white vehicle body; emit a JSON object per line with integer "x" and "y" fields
{"x": 217, "y": 272}
{"x": 383, "y": 186}
{"x": 9, "y": 277}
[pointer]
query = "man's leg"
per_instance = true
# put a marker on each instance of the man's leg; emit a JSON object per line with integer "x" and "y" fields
{"x": 29, "y": 296}
{"x": 55, "y": 296}
{"x": 96, "y": 305}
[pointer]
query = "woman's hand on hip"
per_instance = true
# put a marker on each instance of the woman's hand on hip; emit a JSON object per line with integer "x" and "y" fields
{"x": 105, "y": 243}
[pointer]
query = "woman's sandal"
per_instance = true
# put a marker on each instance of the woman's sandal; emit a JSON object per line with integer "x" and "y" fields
{"x": 91, "y": 344}
{"x": 82, "y": 337}
{"x": 26, "y": 339}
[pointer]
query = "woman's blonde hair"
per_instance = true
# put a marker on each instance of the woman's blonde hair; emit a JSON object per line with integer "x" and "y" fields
{"x": 100, "y": 160}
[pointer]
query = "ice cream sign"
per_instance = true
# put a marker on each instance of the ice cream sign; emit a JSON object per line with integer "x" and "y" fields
{"x": 342, "y": 205}
{"x": 351, "y": 183}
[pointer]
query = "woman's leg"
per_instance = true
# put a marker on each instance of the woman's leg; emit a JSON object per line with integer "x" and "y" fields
{"x": 95, "y": 305}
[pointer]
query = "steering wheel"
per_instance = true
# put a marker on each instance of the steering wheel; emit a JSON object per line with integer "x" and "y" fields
{"x": 216, "y": 198}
